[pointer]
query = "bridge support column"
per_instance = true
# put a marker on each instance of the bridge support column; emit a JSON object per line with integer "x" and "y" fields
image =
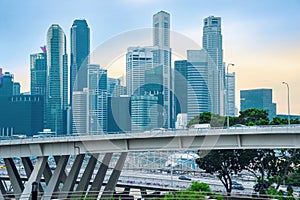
{"x": 63, "y": 175}
{"x": 56, "y": 177}
{"x": 71, "y": 178}
{"x": 14, "y": 177}
{"x": 99, "y": 178}
{"x": 35, "y": 175}
{"x": 113, "y": 179}
{"x": 2, "y": 190}
{"x": 87, "y": 174}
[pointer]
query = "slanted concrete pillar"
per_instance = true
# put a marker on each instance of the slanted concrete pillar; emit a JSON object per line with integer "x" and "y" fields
{"x": 63, "y": 175}
{"x": 55, "y": 178}
{"x": 87, "y": 174}
{"x": 27, "y": 166}
{"x": 14, "y": 177}
{"x": 36, "y": 175}
{"x": 114, "y": 177}
{"x": 47, "y": 173}
{"x": 99, "y": 178}
{"x": 71, "y": 178}
{"x": 2, "y": 190}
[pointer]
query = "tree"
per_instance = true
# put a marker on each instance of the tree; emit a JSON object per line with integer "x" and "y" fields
{"x": 208, "y": 118}
{"x": 263, "y": 166}
{"x": 253, "y": 116}
{"x": 224, "y": 163}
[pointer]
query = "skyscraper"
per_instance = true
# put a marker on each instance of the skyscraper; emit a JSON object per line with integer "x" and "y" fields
{"x": 212, "y": 43}
{"x": 161, "y": 38}
{"x": 38, "y": 75}
{"x": 80, "y": 50}
{"x": 230, "y": 91}
{"x": 80, "y": 112}
{"x": 201, "y": 83}
{"x": 97, "y": 99}
{"x": 138, "y": 60}
{"x": 57, "y": 80}
{"x": 180, "y": 86}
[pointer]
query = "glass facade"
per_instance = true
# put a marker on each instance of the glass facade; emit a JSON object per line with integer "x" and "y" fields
{"x": 57, "y": 80}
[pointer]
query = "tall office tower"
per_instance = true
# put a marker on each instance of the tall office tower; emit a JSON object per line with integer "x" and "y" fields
{"x": 144, "y": 112}
{"x": 230, "y": 99}
{"x": 138, "y": 60}
{"x": 201, "y": 88}
{"x": 212, "y": 43}
{"x": 180, "y": 87}
{"x": 80, "y": 112}
{"x": 7, "y": 85}
{"x": 260, "y": 99}
{"x": 161, "y": 38}
{"x": 80, "y": 50}
{"x": 57, "y": 80}
{"x": 38, "y": 75}
{"x": 97, "y": 99}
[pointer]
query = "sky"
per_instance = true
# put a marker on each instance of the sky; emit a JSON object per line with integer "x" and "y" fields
{"x": 261, "y": 37}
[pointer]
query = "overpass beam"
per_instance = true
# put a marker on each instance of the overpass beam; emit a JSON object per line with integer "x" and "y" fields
{"x": 36, "y": 175}
{"x": 55, "y": 178}
{"x": 14, "y": 177}
{"x": 99, "y": 178}
{"x": 71, "y": 178}
{"x": 87, "y": 174}
{"x": 113, "y": 179}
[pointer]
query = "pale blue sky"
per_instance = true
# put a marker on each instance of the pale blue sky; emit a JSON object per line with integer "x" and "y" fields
{"x": 262, "y": 37}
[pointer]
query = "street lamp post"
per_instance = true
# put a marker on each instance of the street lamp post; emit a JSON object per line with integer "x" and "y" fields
{"x": 227, "y": 94}
{"x": 289, "y": 111}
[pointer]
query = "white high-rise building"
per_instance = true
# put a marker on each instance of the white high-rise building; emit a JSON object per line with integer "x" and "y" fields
{"x": 230, "y": 91}
{"x": 79, "y": 125}
{"x": 138, "y": 60}
{"x": 161, "y": 38}
{"x": 212, "y": 43}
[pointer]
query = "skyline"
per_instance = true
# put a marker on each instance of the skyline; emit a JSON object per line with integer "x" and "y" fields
{"x": 255, "y": 42}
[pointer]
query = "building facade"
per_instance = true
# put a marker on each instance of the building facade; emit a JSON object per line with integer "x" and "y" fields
{"x": 97, "y": 100}
{"x": 57, "y": 80}
{"x": 138, "y": 60}
{"x": 259, "y": 99}
{"x": 79, "y": 125}
{"x": 201, "y": 83}
{"x": 144, "y": 113}
{"x": 180, "y": 86}
{"x": 161, "y": 39}
{"x": 230, "y": 95}
{"x": 212, "y": 43}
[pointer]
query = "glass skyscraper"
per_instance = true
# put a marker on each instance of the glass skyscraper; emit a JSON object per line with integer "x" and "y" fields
{"x": 57, "y": 80}
{"x": 212, "y": 43}
{"x": 230, "y": 91}
{"x": 199, "y": 83}
{"x": 80, "y": 50}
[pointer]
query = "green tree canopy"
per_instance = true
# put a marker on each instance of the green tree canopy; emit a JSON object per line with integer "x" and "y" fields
{"x": 253, "y": 116}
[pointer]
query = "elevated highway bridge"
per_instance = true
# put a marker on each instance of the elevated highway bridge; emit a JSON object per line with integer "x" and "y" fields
{"x": 90, "y": 147}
